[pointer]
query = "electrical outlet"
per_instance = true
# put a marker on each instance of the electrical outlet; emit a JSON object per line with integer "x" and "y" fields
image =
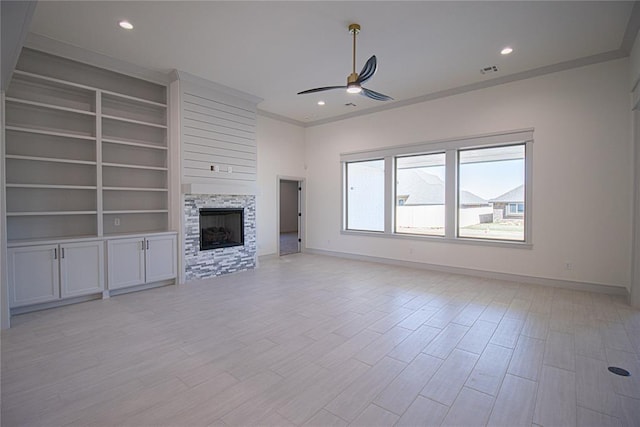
{"x": 116, "y": 222}
{"x": 568, "y": 265}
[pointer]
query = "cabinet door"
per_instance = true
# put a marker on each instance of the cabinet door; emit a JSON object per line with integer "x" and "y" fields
{"x": 33, "y": 275}
{"x": 81, "y": 268}
{"x": 161, "y": 258}
{"x": 125, "y": 259}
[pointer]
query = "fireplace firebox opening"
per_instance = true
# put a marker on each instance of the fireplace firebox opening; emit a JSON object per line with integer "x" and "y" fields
{"x": 221, "y": 228}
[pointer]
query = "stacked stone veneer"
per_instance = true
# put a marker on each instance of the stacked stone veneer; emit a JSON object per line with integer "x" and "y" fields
{"x": 215, "y": 262}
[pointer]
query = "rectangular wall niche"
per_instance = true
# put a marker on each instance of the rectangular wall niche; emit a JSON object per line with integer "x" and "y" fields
{"x": 221, "y": 228}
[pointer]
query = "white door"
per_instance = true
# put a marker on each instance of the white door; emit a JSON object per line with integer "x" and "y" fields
{"x": 125, "y": 262}
{"x": 161, "y": 258}
{"x": 81, "y": 268}
{"x": 33, "y": 275}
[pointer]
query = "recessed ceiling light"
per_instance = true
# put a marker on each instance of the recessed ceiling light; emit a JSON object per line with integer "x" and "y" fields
{"x": 506, "y": 51}
{"x": 321, "y": 102}
{"x": 126, "y": 25}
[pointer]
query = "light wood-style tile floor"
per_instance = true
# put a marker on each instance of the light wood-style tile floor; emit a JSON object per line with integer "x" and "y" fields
{"x": 320, "y": 341}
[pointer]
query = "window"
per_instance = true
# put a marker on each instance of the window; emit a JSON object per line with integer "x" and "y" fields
{"x": 474, "y": 189}
{"x": 491, "y": 193}
{"x": 420, "y": 194}
{"x": 516, "y": 208}
{"x": 365, "y": 195}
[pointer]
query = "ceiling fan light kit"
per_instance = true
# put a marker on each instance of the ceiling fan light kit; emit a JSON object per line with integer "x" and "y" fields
{"x": 355, "y": 80}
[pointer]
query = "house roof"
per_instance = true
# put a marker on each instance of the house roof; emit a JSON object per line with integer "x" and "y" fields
{"x": 512, "y": 196}
{"x": 423, "y": 188}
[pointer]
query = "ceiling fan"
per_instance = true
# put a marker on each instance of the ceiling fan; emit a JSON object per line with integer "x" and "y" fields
{"x": 355, "y": 80}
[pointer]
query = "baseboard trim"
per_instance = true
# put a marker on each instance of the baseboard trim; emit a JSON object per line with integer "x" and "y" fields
{"x": 519, "y": 278}
{"x": 267, "y": 257}
{"x": 54, "y": 304}
{"x": 138, "y": 288}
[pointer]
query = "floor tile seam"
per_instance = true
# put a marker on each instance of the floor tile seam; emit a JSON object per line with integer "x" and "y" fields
{"x": 612, "y": 414}
{"x": 500, "y": 345}
{"x": 463, "y": 382}
{"x": 484, "y": 392}
{"x": 535, "y": 396}
{"x": 627, "y": 396}
{"x": 372, "y": 403}
{"x": 634, "y": 353}
{"x": 391, "y": 410}
{"x": 506, "y": 371}
{"x": 291, "y": 421}
{"x": 557, "y": 367}
{"x": 441, "y": 403}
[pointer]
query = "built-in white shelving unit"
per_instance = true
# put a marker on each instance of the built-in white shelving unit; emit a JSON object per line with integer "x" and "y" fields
{"x": 86, "y": 151}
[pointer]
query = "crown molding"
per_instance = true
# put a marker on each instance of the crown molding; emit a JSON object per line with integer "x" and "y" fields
{"x": 285, "y": 119}
{"x": 633, "y": 25}
{"x": 202, "y": 82}
{"x": 554, "y": 68}
{"x": 75, "y": 53}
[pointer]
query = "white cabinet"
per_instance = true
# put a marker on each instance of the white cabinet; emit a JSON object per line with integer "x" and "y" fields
{"x": 81, "y": 268}
{"x": 33, "y": 275}
{"x": 125, "y": 259}
{"x": 161, "y": 258}
{"x": 140, "y": 260}
{"x": 46, "y": 273}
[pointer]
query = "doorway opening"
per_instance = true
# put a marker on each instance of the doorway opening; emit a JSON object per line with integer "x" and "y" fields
{"x": 290, "y": 216}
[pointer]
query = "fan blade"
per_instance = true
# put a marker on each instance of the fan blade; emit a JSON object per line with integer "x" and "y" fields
{"x": 375, "y": 95}
{"x": 321, "y": 89}
{"x": 368, "y": 70}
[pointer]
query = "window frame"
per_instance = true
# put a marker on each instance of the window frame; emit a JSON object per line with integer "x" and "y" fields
{"x": 395, "y": 188}
{"x": 345, "y": 196}
{"x": 450, "y": 147}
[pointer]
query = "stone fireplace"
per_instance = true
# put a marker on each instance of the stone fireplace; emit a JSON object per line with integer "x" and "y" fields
{"x": 201, "y": 264}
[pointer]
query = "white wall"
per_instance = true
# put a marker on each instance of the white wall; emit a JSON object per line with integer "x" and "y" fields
{"x": 280, "y": 153}
{"x": 16, "y": 17}
{"x": 635, "y": 105}
{"x": 581, "y": 158}
{"x": 634, "y": 60}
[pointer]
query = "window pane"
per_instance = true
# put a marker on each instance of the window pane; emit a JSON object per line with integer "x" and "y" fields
{"x": 420, "y": 194}
{"x": 491, "y": 193}
{"x": 365, "y": 195}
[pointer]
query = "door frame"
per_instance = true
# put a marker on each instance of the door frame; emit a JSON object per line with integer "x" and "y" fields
{"x": 301, "y": 205}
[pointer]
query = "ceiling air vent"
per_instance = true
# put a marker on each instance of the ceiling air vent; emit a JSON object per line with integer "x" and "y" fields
{"x": 489, "y": 70}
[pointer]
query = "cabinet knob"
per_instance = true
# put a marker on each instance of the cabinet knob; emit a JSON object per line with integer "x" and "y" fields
{"x": 55, "y": 253}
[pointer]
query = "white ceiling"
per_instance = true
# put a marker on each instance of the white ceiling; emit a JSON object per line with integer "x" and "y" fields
{"x": 275, "y": 49}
